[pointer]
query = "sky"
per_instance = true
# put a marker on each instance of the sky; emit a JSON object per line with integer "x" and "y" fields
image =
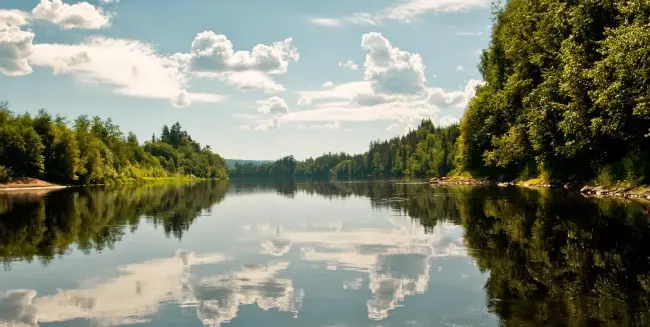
{"x": 254, "y": 79}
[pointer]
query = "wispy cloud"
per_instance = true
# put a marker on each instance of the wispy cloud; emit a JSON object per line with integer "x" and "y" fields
{"x": 405, "y": 11}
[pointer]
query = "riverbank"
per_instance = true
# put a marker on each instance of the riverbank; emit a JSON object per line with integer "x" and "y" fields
{"x": 27, "y": 184}
{"x": 639, "y": 192}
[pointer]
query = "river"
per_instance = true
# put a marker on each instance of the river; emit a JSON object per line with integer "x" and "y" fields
{"x": 281, "y": 253}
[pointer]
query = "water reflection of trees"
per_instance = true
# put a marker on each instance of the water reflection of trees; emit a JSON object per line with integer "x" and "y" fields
{"x": 44, "y": 227}
{"x": 558, "y": 260}
{"x": 554, "y": 258}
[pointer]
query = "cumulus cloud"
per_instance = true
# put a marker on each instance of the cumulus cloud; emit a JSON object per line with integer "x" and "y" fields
{"x": 448, "y": 120}
{"x": 349, "y": 64}
{"x": 132, "y": 68}
{"x": 394, "y": 89}
{"x": 266, "y": 125}
{"x": 16, "y": 46}
{"x": 13, "y": 17}
{"x": 457, "y": 99}
{"x": 213, "y": 55}
{"x": 389, "y": 69}
{"x": 304, "y": 101}
{"x": 244, "y": 128}
{"x": 273, "y": 105}
{"x": 328, "y": 84}
{"x": 79, "y": 15}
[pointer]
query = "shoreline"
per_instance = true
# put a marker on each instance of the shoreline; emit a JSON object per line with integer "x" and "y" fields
{"x": 35, "y": 185}
{"x": 637, "y": 193}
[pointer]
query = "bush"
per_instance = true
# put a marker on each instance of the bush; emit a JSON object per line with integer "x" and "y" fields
{"x": 5, "y": 174}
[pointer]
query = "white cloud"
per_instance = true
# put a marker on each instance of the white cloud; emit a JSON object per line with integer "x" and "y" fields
{"x": 389, "y": 69}
{"x": 13, "y": 17}
{"x": 266, "y": 125}
{"x": 252, "y": 80}
{"x": 213, "y": 55}
{"x": 244, "y": 128}
{"x": 328, "y": 84}
{"x": 408, "y": 10}
{"x": 329, "y": 22}
{"x": 273, "y": 105}
{"x": 78, "y": 15}
{"x": 448, "y": 120}
{"x": 131, "y": 297}
{"x": 218, "y": 298}
{"x": 304, "y": 101}
{"x": 333, "y": 126}
{"x": 456, "y": 99}
{"x": 341, "y": 91}
{"x": 16, "y": 46}
{"x": 132, "y": 68}
{"x": 405, "y": 11}
{"x": 396, "y": 260}
{"x": 350, "y": 102}
{"x": 394, "y": 90}
{"x": 349, "y": 64}
{"x": 460, "y": 68}
{"x": 469, "y": 33}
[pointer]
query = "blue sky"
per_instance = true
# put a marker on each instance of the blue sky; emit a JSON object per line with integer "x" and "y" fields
{"x": 254, "y": 79}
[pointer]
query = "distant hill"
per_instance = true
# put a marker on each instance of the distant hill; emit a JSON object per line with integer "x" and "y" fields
{"x": 232, "y": 162}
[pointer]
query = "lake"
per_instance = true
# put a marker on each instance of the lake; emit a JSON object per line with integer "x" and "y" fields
{"x": 281, "y": 253}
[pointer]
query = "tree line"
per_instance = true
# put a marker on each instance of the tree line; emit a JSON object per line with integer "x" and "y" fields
{"x": 427, "y": 151}
{"x": 94, "y": 219}
{"x": 92, "y": 150}
{"x": 567, "y": 93}
{"x": 566, "y": 97}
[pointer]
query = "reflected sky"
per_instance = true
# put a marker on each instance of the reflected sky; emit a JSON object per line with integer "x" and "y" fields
{"x": 314, "y": 255}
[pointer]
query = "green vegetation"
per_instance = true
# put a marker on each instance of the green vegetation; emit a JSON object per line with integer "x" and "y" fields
{"x": 554, "y": 259}
{"x": 92, "y": 219}
{"x": 567, "y": 93}
{"x": 425, "y": 152}
{"x": 95, "y": 151}
{"x": 566, "y": 97}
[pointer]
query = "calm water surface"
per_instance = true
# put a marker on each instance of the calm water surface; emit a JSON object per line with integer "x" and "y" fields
{"x": 322, "y": 254}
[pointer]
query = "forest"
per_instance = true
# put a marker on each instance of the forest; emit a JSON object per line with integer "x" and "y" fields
{"x": 567, "y": 93}
{"x": 95, "y": 151}
{"x": 566, "y": 97}
{"x": 427, "y": 151}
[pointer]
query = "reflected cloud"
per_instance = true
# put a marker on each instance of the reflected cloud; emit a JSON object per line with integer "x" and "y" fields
{"x": 218, "y": 298}
{"x": 274, "y": 244}
{"x": 131, "y": 297}
{"x": 397, "y": 260}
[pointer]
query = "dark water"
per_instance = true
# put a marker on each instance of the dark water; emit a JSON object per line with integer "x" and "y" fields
{"x": 322, "y": 254}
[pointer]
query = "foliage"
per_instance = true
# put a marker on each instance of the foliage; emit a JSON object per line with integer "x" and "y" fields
{"x": 5, "y": 174}
{"x": 425, "y": 152}
{"x": 567, "y": 92}
{"x": 44, "y": 227}
{"x": 95, "y": 151}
